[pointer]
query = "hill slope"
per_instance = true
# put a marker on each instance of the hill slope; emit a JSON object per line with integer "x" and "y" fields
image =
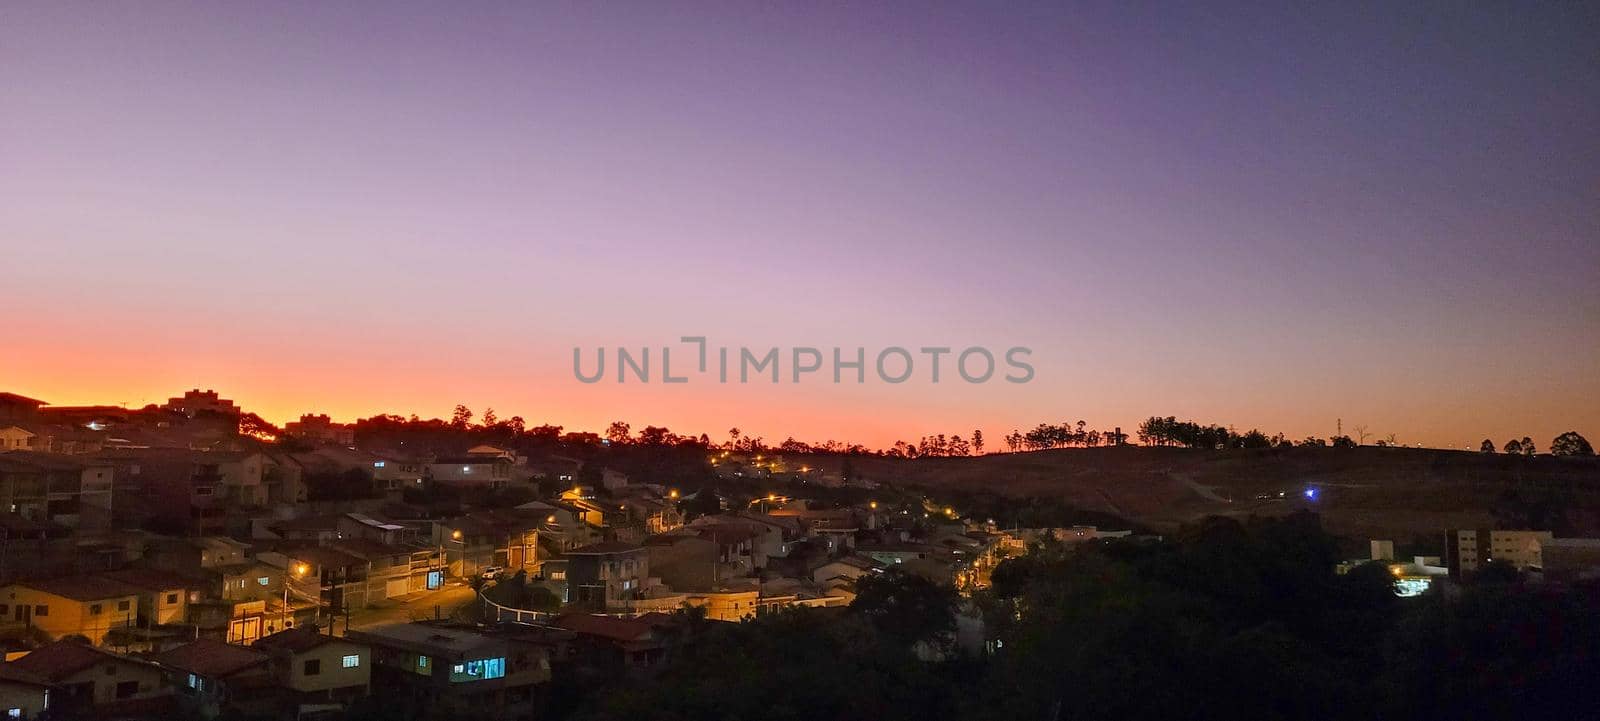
{"x": 1373, "y": 492}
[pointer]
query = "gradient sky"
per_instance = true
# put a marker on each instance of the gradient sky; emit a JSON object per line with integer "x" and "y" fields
{"x": 1248, "y": 214}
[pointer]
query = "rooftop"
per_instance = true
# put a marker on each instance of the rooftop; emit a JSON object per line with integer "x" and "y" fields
{"x": 60, "y": 659}
{"x": 82, "y": 588}
{"x": 441, "y": 641}
{"x": 605, "y": 547}
{"x": 211, "y": 658}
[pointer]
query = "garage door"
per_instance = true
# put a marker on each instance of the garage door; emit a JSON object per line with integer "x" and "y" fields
{"x": 395, "y": 587}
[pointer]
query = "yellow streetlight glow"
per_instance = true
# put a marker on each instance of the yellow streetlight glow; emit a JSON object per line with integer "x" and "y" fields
{"x": 456, "y": 534}
{"x": 549, "y": 519}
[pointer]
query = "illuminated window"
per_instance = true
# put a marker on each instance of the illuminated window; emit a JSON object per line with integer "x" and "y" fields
{"x": 479, "y": 670}
{"x": 422, "y": 662}
{"x": 352, "y": 661}
{"x": 264, "y": 581}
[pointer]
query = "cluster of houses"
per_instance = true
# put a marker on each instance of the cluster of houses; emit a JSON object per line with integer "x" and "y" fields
{"x": 157, "y": 560}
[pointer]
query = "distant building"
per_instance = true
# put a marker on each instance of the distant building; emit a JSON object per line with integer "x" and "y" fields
{"x": 15, "y": 408}
{"x": 1468, "y": 550}
{"x": 15, "y": 438}
{"x": 67, "y": 490}
{"x": 321, "y": 429}
{"x": 195, "y": 402}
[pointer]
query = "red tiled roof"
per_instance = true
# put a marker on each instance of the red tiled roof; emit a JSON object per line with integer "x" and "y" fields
{"x": 295, "y": 640}
{"x": 82, "y": 588}
{"x": 58, "y": 660}
{"x": 211, "y": 658}
{"x": 617, "y": 629}
{"x": 728, "y": 533}
{"x": 10, "y": 672}
{"x": 14, "y": 398}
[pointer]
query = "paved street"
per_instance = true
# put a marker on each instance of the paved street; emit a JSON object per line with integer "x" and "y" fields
{"x": 415, "y": 607}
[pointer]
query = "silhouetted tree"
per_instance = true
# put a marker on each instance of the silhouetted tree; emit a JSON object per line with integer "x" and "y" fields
{"x": 1487, "y": 447}
{"x": 1571, "y": 444}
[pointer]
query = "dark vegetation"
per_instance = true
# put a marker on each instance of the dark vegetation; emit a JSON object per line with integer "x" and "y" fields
{"x": 1227, "y": 620}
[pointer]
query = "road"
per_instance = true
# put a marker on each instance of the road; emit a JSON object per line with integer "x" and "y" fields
{"x": 442, "y": 603}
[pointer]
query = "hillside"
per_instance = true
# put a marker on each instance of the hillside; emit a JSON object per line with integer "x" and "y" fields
{"x": 1365, "y": 492}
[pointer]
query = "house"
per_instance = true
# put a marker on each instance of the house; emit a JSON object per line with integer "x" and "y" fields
{"x": 848, "y": 568}
{"x": 15, "y": 438}
{"x": 90, "y": 681}
{"x": 67, "y": 490}
{"x": 334, "y": 579}
{"x": 19, "y": 408}
{"x": 392, "y": 570}
{"x": 684, "y": 561}
{"x": 212, "y": 677}
{"x": 163, "y": 595}
{"x": 608, "y": 642}
{"x": 453, "y": 670}
{"x": 23, "y": 695}
{"x": 607, "y": 574}
{"x": 701, "y": 558}
{"x": 203, "y": 493}
{"x": 88, "y": 606}
{"x": 481, "y": 471}
{"x": 318, "y": 668}
{"x": 508, "y": 538}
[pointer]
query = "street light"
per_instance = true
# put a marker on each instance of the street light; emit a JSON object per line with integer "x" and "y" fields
{"x": 299, "y": 570}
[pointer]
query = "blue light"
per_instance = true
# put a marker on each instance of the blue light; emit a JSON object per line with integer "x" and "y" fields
{"x": 1311, "y": 494}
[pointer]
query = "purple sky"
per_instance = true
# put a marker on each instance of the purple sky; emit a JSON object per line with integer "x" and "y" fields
{"x": 1273, "y": 217}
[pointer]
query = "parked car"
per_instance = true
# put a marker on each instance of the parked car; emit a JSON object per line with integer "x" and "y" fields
{"x": 491, "y": 573}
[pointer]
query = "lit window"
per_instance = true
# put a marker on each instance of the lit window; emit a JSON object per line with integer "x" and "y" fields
{"x": 352, "y": 661}
{"x": 262, "y": 581}
{"x": 422, "y": 662}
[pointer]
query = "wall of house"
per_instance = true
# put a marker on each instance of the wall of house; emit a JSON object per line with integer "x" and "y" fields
{"x": 27, "y": 700}
{"x": 686, "y": 565}
{"x": 107, "y": 676}
{"x": 166, "y": 606}
{"x": 65, "y": 616}
{"x": 332, "y": 674}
